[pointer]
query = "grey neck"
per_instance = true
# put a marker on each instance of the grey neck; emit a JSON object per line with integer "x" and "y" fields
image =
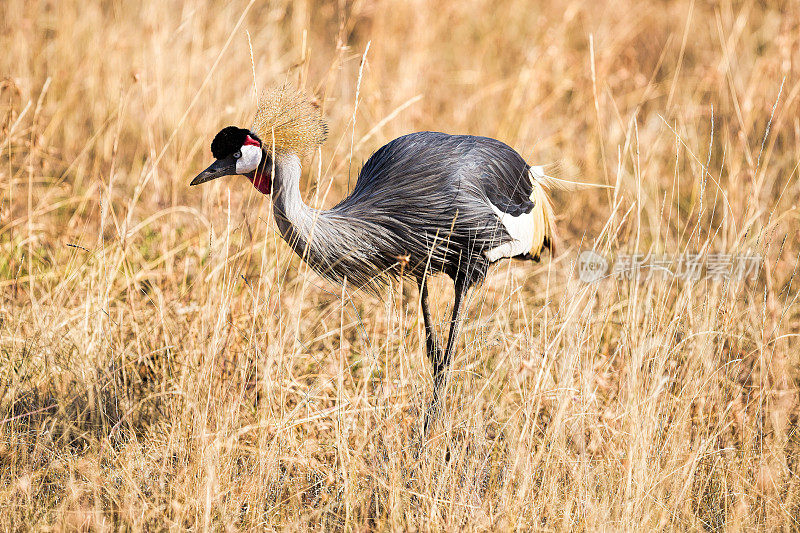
{"x": 338, "y": 243}
{"x": 295, "y": 220}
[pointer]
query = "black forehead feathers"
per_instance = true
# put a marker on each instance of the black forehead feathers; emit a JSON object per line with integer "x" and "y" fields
{"x": 227, "y": 141}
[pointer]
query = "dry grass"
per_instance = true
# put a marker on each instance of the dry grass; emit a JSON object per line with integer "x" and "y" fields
{"x": 166, "y": 362}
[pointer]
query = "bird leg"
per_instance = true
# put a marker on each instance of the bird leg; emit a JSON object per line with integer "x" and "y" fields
{"x": 432, "y": 345}
{"x": 441, "y": 365}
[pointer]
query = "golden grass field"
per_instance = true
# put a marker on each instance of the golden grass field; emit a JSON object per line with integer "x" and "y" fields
{"x": 167, "y": 362}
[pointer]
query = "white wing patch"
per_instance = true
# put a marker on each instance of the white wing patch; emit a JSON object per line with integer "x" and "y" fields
{"x": 522, "y": 228}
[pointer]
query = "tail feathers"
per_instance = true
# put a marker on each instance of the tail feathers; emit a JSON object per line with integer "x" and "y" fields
{"x": 544, "y": 229}
{"x": 557, "y": 184}
{"x": 544, "y": 233}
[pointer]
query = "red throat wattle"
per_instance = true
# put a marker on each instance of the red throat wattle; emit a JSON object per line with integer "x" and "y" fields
{"x": 262, "y": 177}
{"x": 262, "y": 180}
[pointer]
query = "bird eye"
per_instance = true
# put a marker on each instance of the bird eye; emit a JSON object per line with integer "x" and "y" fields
{"x": 237, "y": 154}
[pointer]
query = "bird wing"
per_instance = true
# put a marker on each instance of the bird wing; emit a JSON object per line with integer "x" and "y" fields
{"x": 435, "y": 197}
{"x": 419, "y": 195}
{"x": 516, "y": 193}
{"x": 503, "y": 174}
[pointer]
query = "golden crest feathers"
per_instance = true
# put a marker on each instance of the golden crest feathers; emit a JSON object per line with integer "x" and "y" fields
{"x": 290, "y": 119}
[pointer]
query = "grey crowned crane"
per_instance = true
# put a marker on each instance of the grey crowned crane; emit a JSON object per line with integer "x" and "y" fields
{"x": 424, "y": 203}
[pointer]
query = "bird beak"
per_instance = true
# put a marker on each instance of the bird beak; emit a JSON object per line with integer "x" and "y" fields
{"x": 219, "y": 168}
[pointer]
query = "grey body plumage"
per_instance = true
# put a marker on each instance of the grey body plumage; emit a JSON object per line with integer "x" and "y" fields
{"x": 424, "y": 203}
{"x": 421, "y": 203}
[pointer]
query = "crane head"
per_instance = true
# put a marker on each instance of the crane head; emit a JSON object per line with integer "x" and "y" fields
{"x": 238, "y": 151}
{"x": 288, "y": 121}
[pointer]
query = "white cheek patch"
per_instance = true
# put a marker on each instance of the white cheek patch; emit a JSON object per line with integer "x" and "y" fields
{"x": 251, "y": 157}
